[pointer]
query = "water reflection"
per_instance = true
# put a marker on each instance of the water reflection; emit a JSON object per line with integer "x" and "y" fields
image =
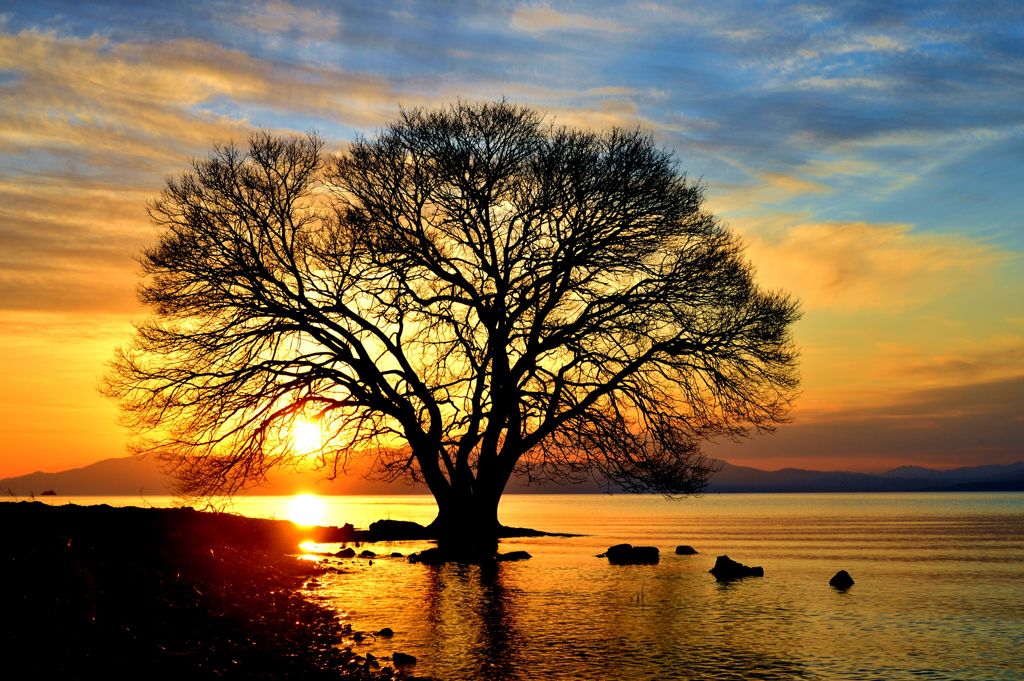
{"x": 937, "y": 594}
{"x": 516, "y": 622}
{"x": 472, "y": 617}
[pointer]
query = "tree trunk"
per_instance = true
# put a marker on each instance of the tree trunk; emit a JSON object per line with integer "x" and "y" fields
{"x": 467, "y": 522}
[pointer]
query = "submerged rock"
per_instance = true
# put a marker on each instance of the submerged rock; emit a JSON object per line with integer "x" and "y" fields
{"x": 685, "y": 550}
{"x": 473, "y": 553}
{"x": 627, "y": 554}
{"x": 842, "y": 580}
{"x": 433, "y": 556}
{"x": 726, "y": 569}
{"x": 402, "y": 658}
{"x": 514, "y": 555}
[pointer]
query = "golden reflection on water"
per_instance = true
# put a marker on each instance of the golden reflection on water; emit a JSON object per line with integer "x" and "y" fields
{"x": 935, "y": 593}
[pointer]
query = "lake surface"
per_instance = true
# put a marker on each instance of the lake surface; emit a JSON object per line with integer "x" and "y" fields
{"x": 939, "y": 590}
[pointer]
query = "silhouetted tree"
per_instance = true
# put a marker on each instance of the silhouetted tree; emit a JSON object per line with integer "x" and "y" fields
{"x": 471, "y": 295}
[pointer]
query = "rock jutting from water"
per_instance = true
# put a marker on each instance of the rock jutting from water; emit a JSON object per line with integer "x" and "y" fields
{"x": 726, "y": 569}
{"x": 627, "y": 554}
{"x": 513, "y": 555}
{"x": 842, "y": 580}
{"x": 403, "y": 659}
{"x": 383, "y": 530}
{"x": 685, "y": 550}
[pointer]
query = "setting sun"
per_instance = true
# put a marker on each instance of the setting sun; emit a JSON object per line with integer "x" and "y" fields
{"x": 306, "y": 509}
{"x": 306, "y": 437}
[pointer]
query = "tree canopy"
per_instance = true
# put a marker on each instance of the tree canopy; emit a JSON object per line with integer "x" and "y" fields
{"x": 470, "y": 295}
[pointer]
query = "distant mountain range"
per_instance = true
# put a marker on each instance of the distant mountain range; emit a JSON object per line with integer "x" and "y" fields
{"x": 128, "y": 476}
{"x": 994, "y": 478}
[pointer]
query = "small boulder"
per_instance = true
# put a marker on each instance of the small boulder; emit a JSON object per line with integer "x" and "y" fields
{"x": 842, "y": 580}
{"x": 396, "y": 554}
{"x": 367, "y": 554}
{"x": 645, "y": 554}
{"x": 726, "y": 569}
{"x": 345, "y": 553}
{"x": 627, "y": 554}
{"x": 386, "y": 632}
{"x": 402, "y": 659}
{"x": 620, "y": 553}
{"x": 397, "y": 529}
{"x": 514, "y": 555}
{"x": 685, "y": 550}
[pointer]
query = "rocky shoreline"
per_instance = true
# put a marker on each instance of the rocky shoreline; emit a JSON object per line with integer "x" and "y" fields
{"x": 100, "y": 591}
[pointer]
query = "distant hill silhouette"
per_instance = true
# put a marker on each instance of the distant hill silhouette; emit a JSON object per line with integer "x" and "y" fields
{"x": 128, "y": 476}
{"x": 903, "y": 479}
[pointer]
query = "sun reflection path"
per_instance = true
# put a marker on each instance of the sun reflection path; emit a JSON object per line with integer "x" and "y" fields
{"x": 307, "y": 510}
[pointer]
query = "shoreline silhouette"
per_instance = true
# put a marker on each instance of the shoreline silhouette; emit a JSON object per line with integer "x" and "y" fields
{"x": 96, "y": 588}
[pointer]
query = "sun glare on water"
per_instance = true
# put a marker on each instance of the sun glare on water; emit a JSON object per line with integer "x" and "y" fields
{"x": 307, "y": 509}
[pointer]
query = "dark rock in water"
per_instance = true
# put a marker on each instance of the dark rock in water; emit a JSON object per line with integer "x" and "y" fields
{"x": 428, "y": 557}
{"x": 396, "y": 554}
{"x": 842, "y": 580}
{"x": 627, "y": 554}
{"x": 514, "y": 555}
{"x": 367, "y": 554}
{"x": 620, "y": 553}
{"x": 402, "y": 658}
{"x": 397, "y": 529}
{"x": 357, "y": 637}
{"x": 645, "y": 554}
{"x": 386, "y": 632}
{"x": 726, "y": 569}
{"x": 345, "y": 553}
{"x": 685, "y": 550}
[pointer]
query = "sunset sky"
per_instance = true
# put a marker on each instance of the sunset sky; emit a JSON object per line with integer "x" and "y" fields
{"x": 870, "y": 154}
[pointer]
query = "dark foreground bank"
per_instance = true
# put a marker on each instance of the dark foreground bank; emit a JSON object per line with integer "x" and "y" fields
{"x": 101, "y": 592}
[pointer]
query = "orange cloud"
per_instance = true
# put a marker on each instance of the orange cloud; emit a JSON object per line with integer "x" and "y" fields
{"x": 855, "y": 265}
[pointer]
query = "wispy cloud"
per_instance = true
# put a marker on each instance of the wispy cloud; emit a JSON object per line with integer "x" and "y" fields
{"x": 541, "y": 18}
{"x": 280, "y": 19}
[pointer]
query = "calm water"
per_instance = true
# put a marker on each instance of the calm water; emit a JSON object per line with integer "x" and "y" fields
{"x": 939, "y": 590}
